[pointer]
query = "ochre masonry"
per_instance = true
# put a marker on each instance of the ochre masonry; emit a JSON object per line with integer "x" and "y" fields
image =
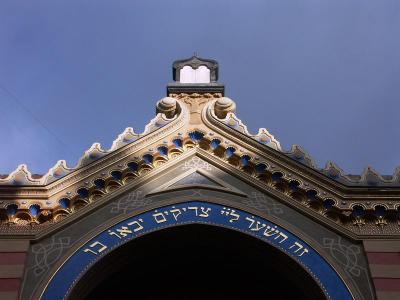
{"x": 195, "y": 126}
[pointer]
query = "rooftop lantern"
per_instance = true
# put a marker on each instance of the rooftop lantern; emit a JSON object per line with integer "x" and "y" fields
{"x": 195, "y": 75}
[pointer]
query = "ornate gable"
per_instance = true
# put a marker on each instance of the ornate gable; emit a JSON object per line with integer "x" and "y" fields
{"x": 196, "y": 148}
{"x": 206, "y": 121}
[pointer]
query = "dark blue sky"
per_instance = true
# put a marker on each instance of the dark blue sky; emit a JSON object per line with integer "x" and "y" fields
{"x": 318, "y": 73}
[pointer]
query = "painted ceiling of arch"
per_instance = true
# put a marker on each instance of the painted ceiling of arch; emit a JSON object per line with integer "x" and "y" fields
{"x": 205, "y": 123}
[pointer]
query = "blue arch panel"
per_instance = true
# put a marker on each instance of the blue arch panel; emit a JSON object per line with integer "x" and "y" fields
{"x": 202, "y": 213}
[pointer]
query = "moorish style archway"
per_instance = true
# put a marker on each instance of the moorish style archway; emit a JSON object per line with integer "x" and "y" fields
{"x": 196, "y": 262}
{"x": 194, "y": 212}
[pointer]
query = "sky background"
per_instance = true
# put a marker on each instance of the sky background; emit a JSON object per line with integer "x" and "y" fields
{"x": 321, "y": 74}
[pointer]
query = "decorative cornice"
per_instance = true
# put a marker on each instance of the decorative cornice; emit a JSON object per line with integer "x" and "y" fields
{"x": 23, "y": 177}
{"x": 369, "y": 178}
{"x": 358, "y": 217}
{"x": 263, "y": 136}
{"x": 289, "y": 175}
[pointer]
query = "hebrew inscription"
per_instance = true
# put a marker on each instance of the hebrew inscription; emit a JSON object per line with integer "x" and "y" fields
{"x": 204, "y": 213}
{"x": 188, "y": 213}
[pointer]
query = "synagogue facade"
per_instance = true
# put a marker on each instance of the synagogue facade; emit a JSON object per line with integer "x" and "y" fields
{"x": 197, "y": 207}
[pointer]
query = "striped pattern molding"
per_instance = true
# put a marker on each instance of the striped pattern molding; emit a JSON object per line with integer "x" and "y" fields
{"x": 384, "y": 264}
{"x": 12, "y": 265}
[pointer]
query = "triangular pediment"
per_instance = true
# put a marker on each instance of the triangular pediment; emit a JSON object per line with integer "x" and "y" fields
{"x": 194, "y": 178}
{"x": 196, "y": 173}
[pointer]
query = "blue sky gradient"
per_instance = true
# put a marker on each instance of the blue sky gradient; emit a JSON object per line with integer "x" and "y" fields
{"x": 318, "y": 73}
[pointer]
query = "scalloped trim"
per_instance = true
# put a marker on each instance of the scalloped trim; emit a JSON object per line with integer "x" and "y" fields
{"x": 22, "y": 176}
{"x": 263, "y": 136}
